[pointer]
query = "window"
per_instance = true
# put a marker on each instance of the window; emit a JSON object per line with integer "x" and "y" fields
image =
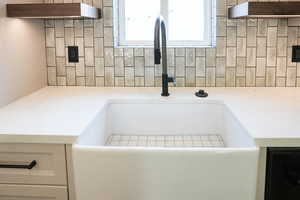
{"x": 190, "y": 23}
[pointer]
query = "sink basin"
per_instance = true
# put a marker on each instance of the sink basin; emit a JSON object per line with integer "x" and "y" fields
{"x": 165, "y": 150}
{"x": 168, "y": 118}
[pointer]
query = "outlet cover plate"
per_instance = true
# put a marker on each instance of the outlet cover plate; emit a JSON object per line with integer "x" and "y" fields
{"x": 296, "y": 54}
{"x": 73, "y": 55}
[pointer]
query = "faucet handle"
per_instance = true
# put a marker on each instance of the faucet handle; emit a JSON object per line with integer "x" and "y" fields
{"x": 172, "y": 80}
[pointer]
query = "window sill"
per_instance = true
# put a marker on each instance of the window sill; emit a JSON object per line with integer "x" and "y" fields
{"x": 169, "y": 46}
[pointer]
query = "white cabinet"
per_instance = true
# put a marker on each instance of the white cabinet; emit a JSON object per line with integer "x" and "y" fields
{"x": 46, "y": 179}
{"x": 50, "y": 168}
{"x": 32, "y": 192}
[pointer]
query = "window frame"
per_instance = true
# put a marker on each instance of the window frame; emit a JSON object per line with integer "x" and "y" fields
{"x": 209, "y": 33}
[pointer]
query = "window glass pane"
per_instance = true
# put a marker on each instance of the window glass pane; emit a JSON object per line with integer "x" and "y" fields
{"x": 140, "y": 18}
{"x": 186, "y": 19}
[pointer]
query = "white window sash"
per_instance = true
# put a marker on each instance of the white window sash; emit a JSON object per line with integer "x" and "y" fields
{"x": 209, "y": 28}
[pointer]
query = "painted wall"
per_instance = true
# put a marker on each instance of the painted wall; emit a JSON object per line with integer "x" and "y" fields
{"x": 22, "y": 55}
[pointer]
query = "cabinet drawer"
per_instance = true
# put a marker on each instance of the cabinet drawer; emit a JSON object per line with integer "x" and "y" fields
{"x": 50, "y": 168}
{"x": 32, "y": 192}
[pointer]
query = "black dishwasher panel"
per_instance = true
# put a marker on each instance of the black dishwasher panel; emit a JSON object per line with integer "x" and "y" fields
{"x": 283, "y": 174}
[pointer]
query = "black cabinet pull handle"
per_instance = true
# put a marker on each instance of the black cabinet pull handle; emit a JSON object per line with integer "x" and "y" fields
{"x": 29, "y": 166}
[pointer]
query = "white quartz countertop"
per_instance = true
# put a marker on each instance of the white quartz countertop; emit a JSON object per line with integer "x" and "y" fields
{"x": 60, "y": 114}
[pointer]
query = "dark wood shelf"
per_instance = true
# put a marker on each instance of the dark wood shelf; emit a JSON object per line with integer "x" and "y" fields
{"x": 287, "y": 9}
{"x": 56, "y": 10}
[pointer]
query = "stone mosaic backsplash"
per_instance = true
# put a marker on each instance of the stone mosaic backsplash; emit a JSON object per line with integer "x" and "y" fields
{"x": 248, "y": 53}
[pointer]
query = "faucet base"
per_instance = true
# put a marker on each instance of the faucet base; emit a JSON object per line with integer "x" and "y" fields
{"x": 165, "y": 94}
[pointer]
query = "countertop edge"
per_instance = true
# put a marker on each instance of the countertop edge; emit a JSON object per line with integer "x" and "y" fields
{"x": 277, "y": 142}
{"x": 37, "y": 139}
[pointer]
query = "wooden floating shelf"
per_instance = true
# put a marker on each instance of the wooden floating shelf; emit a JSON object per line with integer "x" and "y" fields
{"x": 288, "y": 9}
{"x": 56, "y": 10}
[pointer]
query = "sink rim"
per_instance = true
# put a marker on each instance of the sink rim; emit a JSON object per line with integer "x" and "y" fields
{"x": 164, "y": 101}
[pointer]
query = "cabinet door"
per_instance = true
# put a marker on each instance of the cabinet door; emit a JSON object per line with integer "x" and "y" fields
{"x": 283, "y": 174}
{"x": 32, "y": 192}
{"x": 50, "y": 168}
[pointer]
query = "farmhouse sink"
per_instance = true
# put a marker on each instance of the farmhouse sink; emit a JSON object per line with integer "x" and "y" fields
{"x": 165, "y": 150}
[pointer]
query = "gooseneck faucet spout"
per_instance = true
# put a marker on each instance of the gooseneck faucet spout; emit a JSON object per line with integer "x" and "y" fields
{"x": 160, "y": 54}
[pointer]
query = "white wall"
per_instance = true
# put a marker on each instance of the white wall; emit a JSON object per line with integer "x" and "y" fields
{"x": 22, "y": 55}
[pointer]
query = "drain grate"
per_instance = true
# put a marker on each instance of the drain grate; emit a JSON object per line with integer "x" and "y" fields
{"x": 166, "y": 141}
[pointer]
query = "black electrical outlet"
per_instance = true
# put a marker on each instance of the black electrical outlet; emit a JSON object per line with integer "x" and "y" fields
{"x": 296, "y": 54}
{"x": 73, "y": 54}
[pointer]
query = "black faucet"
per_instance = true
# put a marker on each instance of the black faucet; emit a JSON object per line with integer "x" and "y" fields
{"x": 160, "y": 27}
